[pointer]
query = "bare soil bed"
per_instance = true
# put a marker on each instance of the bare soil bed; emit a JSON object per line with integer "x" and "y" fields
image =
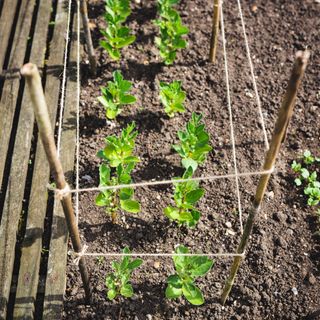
{"x": 284, "y": 252}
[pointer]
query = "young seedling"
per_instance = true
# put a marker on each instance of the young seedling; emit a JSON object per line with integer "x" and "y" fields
{"x": 308, "y": 178}
{"x": 115, "y": 96}
{"x": 194, "y": 143}
{"x": 188, "y": 269}
{"x": 117, "y": 199}
{"x": 171, "y": 32}
{"x": 118, "y": 282}
{"x": 118, "y": 154}
{"x": 172, "y": 97}
{"x": 186, "y": 195}
{"x": 116, "y": 35}
{"x": 120, "y": 150}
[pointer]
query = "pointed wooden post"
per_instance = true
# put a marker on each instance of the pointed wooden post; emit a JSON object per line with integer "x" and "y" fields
{"x": 87, "y": 35}
{"x": 31, "y": 74}
{"x": 215, "y": 31}
{"x": 281, "y": 125}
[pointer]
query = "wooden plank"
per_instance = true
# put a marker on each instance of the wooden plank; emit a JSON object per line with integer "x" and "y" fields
{"x": 32, "y": 244}
{"x": 11, "y": 210}
{"x": 6, "y": 20}
{"x": 56, "y": 275}
{"x": 11, "y": 86}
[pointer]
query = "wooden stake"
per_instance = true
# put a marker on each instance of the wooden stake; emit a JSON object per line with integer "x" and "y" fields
{"x": 281, "y": 125}
{"x": 215, "y": 31}
{"x": 31, "y": 74}
{"x": 87, "y": 35}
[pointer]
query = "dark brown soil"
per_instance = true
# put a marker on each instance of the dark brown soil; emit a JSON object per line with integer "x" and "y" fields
{"x": 279, "y": 278}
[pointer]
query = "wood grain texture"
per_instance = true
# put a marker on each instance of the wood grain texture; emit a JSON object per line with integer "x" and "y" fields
{"x": 11, "y": 86}
{"x": 13, "y": 201}
{"x": 56, "y": 275}
{"x": 6, "y": 22}
{"x": 32, "y": 244}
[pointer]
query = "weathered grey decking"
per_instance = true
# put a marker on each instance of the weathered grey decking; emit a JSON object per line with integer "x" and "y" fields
{"x": 33, "y": 31}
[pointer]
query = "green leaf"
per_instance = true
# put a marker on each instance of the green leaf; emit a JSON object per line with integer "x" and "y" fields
{"x": 135, "y": 264}
{"x": 297, "y": 181}
{"x": 172, "y": 213}
{"x": 104, "y": 172}
{"x": 128, "y": 99}
{"x": 188, "y": 162}
{"x": 203, "y": 268}
{"x": 101, "y": 200}
{"x": 194, "y": 195}
{"x": 305, "y": 173}
{"x": 175, "y": 281}
{"x": 127, "y": 290}
{"x": 192, "y": 294}
{"x": 173, "y": 292}
{"x": 130, "y": 205}
{"x": 112, "y": 293}
{"x": 112, "y": 114}
{"x": 126, "y": 193}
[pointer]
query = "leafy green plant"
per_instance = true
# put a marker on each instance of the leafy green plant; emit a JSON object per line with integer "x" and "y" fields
{"x": 171, "y": 31}
{"x": 188, "y": 269}
{"x": 308, "y": 178}
{"x": 119, "y": 150}
{"x": 186, "y": 195}
{"x": 118, "y": 154}
{"x": 116, "y": 35}
{"x": 116, "y": 199}
{"x": 115, "y": 95}
{"x": 194, "y": 143}
{"x": 118, "y": 282}
{"x": 172, "y": 97}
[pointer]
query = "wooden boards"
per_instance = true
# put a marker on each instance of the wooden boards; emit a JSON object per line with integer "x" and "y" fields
{"x": 32, "y": 245}
{"x": 10, "y": 91}
{"x": 17, "y": 110}
{"x": 56, "y": 275}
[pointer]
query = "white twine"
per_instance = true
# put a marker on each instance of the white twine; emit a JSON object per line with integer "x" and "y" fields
{"x": 78, "y": 113}
{"x": 157, "y": 255}
{"x": 163, "y": 182}
{"x": 231, "y": 120}
{"x": 64, "y": 76}
{"x": 59, "y": 194}
{"x": 78, "y": 255}
{"x": 266, "y": 142}
{"x": 236, "y": 175}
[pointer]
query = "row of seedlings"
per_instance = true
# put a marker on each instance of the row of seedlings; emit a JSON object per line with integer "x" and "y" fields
{"x": 119, "y": 160}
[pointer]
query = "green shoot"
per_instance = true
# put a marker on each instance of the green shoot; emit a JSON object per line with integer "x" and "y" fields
{"x": 188, "y": 268}
{"x": 172, "y": 97}
{"x": 194, "y": 143}
{"x": 117, "y": 199}
{"x": 118, "y": 282}
{"x": 308, "y": 178}
{"x": 171, "y": 31}
{"x": 115, "y": 95}
{"x": 116, "y": 35}
{"x": 120, "y": 150}
{"x": 186, "y": 195}
{"x": 118, "y": 154}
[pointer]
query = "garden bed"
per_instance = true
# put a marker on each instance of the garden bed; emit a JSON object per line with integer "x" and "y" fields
{"x": 283, "y": 252}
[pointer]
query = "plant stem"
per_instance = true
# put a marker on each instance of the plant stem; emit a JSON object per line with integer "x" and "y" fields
{"x": 281, "y": 125}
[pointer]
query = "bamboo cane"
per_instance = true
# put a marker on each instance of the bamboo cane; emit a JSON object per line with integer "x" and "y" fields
{"x": 31, "y": 74}
{"x": 215, "y": 31}
{"x": 87, "y": 35}
{"x": 281, "y": 125}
